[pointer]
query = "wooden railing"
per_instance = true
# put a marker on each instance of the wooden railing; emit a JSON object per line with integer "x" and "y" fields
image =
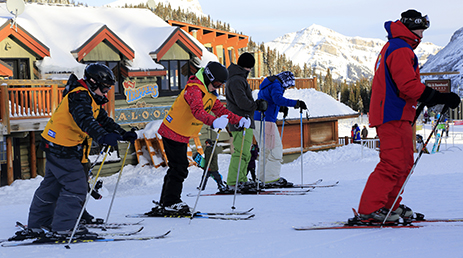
{"x": 32, "y": 99}
{"x": 301, "y": 83}
{"x": 29, "y": 99}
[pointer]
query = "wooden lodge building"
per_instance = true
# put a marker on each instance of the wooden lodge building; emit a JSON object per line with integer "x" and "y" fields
{"x": 151, "y": 59}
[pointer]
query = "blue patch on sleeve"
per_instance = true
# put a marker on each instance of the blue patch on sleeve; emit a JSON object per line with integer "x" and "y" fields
{"x": 169, "y": 119}
{"x": 51, "y": 133}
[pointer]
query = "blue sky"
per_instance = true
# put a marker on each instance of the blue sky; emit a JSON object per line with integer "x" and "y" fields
{"x": 267, "y": 20}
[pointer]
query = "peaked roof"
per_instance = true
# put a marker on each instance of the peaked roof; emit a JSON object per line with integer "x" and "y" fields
{"x": 104, "y": 34}
{"x": 17, "y": 33}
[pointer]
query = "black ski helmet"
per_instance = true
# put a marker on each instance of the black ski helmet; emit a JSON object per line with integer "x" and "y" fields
{"x": 102, "y": 76}
{"x": 216, "y": 74}
{"x": 413, "y": 20}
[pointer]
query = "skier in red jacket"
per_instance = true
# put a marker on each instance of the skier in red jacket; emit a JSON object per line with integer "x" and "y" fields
{"x": 396, "y": 88}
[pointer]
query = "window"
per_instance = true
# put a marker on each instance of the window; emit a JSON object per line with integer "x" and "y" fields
{"x": 176, "y": 78}
{"x": 20, "y": 67}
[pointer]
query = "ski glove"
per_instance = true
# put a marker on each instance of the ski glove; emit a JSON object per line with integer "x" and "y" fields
{"x": 432, "y": 97}
{"x": 300, "y": 104}
{"x": 262, "y": 105}
{"x": 220, "y": 122}
{"x": 284, "y": 110}
{"x": 130, "y": 136}
{"x": 110, "y": 139}
{"x": 244, "y": 122}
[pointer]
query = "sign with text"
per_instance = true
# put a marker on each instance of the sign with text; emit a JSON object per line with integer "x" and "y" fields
{"x": 439, "y": 85}
{"x": 140, "y": 114}
{"x": 133, "y": 93}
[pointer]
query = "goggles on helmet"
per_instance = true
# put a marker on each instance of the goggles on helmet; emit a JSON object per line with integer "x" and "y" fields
{"x": 215, "y": 83}
{"x": 417, "y": 22}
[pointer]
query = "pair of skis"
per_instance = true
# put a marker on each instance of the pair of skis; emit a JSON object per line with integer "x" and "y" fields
{"x": 277, "y": 191}
{"x": 238, "y": 215}
{"x": 419, "y": 219}
{"x": 75, "y": 241}
{"x": 102, "y": 237}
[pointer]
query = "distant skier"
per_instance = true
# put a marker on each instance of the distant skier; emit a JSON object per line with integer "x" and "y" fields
{"x": 364, "y": 132}
{"x": 355, "y": 134}
{"x": 396, "y": 88}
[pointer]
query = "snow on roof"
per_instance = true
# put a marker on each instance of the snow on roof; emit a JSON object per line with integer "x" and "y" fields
{"x": 319, "y": 104}
{"x": 66, "y": 28}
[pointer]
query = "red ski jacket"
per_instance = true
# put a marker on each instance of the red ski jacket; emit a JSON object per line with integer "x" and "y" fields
{"x": 396, "y": 85}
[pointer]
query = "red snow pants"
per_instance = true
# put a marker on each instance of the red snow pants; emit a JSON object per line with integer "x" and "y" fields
{"x": 396, "y": 161}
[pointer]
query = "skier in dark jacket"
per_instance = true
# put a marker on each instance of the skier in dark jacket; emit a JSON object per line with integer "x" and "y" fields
{"x": 240, "y": 102}
{"x": 58, "y": 201}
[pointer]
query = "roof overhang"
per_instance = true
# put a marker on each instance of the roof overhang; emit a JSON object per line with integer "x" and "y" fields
{"x": 142, "y": 73}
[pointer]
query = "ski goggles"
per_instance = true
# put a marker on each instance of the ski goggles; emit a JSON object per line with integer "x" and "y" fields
{"x": 417, "y": 23}
{"x": 215, "y": 83}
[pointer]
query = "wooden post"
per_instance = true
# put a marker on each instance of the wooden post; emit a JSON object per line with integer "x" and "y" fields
{"x": 9, "y": 160}
{"x": 54, "y": 97}
{"x": 5, "y": 108}
{"x": 112, "y": 102}
{"x": 346, "y": 140}
{"x": 33, "y": 162}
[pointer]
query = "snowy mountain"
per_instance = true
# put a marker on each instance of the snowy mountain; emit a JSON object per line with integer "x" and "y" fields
{"x": 449, "y": 59}
{"x": 348, "y": 58}
{"x": 189, "y": 5}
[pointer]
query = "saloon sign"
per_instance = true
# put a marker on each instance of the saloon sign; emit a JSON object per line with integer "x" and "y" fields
{"x": 439, "y": 85}
{"x": 140, "y": 115}
{"x": 143, "y": 113}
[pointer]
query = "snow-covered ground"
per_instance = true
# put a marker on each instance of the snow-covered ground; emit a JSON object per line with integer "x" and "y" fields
{"x": 434, "y": 189}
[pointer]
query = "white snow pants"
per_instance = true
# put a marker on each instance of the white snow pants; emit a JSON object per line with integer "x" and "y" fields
{"x": 273, "y": 152}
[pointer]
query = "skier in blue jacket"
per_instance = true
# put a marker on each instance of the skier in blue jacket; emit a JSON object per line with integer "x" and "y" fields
{"x": 271, "y": 90}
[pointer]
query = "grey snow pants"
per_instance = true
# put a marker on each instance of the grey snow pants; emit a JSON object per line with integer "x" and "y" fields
{"x": 58, "y": 201}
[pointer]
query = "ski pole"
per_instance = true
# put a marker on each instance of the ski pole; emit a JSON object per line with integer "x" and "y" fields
{"x": 87, "y": 198}
{"x": 263, "y": 150}
{"x": 283, "y": 127}
{"x": 117, "y": 183}
{"x": 302, "y": 151}
{"x": 204, "y": 177}
{"x": 239, "y": 168}
{"x": 443, "y": 111}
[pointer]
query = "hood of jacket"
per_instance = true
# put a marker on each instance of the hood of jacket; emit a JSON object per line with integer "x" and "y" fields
{"x": 269, "y": 81}
{"x": 398, "y": 30}
{"x": 236, "y": 70}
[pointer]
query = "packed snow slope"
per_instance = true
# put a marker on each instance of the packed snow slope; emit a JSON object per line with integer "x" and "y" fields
{"x": 434, "y": 189}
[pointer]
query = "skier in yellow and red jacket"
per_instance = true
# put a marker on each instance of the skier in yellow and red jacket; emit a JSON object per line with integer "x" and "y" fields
{"x": 184, "y": 120}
